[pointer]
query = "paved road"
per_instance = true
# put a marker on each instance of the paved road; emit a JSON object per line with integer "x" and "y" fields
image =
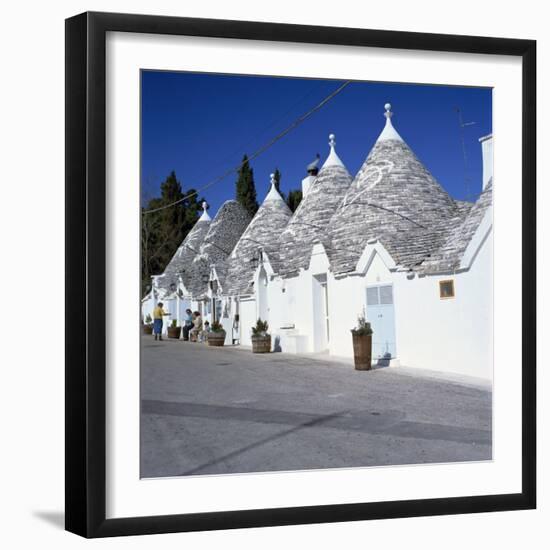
{"x": 212, "y": 410}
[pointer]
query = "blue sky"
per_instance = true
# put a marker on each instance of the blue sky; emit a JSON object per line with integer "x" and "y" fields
{"x": 201, "y": 124}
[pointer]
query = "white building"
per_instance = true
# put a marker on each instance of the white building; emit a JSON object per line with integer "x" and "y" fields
{"x": 223, "y": 234}
{"x": 389, "y": 244}
{"x": 170, "y": 288}
{"x": 185, "y": 281}
{"x": 243, "y": 287}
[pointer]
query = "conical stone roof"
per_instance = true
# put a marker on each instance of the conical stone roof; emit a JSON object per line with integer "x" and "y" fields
{"x": 392, "y": 194}
{"x": 222, "y": 236}
{"x": 448, "y": 256}
{"x": 310, "y": 222}
{"x": 184, "y": 255}
{"x": 261, "y": 234}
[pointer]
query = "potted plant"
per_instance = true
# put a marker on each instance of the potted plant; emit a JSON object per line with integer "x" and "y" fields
{"x": 261, "y": 340}
{"x": 216, "y": 336}
{"x": 362, "y": 344}
{"x": 173, "y": 330}
{"x": 148, "y": 326}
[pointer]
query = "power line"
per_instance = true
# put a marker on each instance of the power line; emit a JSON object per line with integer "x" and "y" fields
{"x": 262, "y": 132}
{"x": 261, "y": 150}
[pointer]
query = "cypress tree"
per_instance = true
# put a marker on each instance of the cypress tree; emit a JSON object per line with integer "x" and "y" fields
{"x": 277, "y": 178}
{"x": 294, "y": 198}
{"x": 163, "y": 231}
{"x": 245, "y": 188}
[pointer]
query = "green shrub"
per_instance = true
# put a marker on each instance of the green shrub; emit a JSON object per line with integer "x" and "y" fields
{"x": 260, "y": 329}
{"x": 148, "y": 319}
{"x": 174, "y": 323}
{"x": 363, "y": 328}
{"x": 216, "y": 326}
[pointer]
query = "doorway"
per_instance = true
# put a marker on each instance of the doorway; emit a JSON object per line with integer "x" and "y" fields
{"x": 381, "y": 316}
{"x": 321, "y": 325}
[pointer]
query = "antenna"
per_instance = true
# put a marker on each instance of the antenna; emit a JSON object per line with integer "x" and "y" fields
{"x": 463, "y": 125}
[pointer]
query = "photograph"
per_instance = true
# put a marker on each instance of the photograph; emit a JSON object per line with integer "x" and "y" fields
{"x": 291, "y": 311}
{"x": 316, "y": 274}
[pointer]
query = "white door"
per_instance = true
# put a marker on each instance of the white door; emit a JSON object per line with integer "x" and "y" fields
{"x": 247, "y": 319}
{"x": 381, "y": 315}
{"x": 321, "y": 332}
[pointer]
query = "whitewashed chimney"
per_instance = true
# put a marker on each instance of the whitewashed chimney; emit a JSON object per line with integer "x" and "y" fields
{"x": 487, "y": 157}
{"x": 306, "y": 184}
{"x": 312, "y": 171}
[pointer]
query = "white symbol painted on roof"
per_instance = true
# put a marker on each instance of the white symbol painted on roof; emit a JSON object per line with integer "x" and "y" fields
{"x": 371, "y": 177}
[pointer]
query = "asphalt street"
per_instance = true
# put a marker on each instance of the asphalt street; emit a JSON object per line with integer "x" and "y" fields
{"x": 207, "y": 410}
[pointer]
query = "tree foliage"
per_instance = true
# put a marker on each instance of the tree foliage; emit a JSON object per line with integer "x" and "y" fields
{"x": 294, "y": 195}
{"x": 162, "y": 232}
{"x": 277, "y": 178}
{"x": 245, "y": 187}
{"x": 294, "y": 198}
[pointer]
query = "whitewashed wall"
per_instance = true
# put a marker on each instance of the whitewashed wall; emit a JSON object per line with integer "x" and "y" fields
{"x": 346, "y": 302}
{"x": 289, "y": 314}
{"x": 452, "y": 335}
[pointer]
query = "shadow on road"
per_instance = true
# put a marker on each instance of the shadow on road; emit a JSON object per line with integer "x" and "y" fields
{"x": 258, "y": 443}
{"x": 388, "y": 422}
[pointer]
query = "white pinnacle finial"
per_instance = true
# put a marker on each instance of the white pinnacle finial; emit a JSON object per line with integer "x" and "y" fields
{"x": 332, "y": 159}
{"x": 205, "y": 216}
{"x": 389, "y": 132}
{"x": 273, "y": 194}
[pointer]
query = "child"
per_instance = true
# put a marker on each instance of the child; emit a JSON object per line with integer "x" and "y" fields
{"x": 195, "y": 332}
{"x": 205, "y": 331}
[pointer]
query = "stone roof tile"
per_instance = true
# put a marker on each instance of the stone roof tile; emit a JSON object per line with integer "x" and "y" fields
{"x": 222, "y": 236}
{"x": 448, "y": 256}
{"x": 310, "y": 222}
{"x": 392, "y": 195}
{"x": 261, "y": 234}
{"x": 183, "y": 257}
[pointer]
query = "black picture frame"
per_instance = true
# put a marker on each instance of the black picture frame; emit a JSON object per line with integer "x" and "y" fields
{"x": 86, "y": 279}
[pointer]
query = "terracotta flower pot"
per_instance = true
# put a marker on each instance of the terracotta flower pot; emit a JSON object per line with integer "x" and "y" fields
{"x": 261, "y": 344}
{"x": 362, "y": 351}
{"x": 216, "y": 338}
{"x": 174, "y": 332}
{"x": 147, "y": 329}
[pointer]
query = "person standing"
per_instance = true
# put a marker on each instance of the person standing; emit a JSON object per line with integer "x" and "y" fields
{"x": 188, "y": 324}
{"x": 158, "y": 314}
